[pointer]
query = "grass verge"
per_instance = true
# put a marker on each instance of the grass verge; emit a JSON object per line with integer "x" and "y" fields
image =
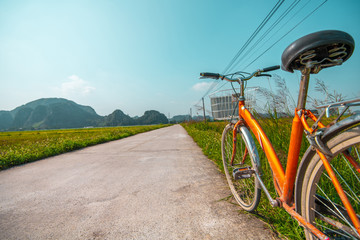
{"x": 208, "y": 137}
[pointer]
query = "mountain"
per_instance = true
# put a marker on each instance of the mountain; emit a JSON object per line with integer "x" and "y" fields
{"x": 48, "y": 113}
{"x": 51, "y": 101}
{"x": 180, "y": 118}
{"x": 118, "y": 118}
{"x": 6, "y": 120}
{"x": 69, "y": 115}
{"x": 55, "y": 113}
{"x": 152, "y": 117}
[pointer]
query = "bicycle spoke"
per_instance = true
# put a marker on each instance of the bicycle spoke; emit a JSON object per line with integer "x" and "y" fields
{"x": 236, "y": 157}
{"x": 334, "y": 205}
{"x": 350, "y": 196}
{"x": 329, "y": 221}
{"x": 334, "y": 223}
{"x": 246, "y": 186}
{"x": 357, "y": 199}
{"x": 329, "y": 208}
{"x": 348, "y": 164}
{"x": 244, "y": 157}
{"x": 357, "y": 153}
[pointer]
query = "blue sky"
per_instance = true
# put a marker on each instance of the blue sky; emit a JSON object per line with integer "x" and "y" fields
{"x": 137, "y": 55}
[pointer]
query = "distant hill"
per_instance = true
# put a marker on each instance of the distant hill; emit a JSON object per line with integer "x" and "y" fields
{"x": 6, "y": 120}
{"x": 150, "y": 117}
{"x": 118, "y": 118}
{"x": 51, "y": 101}
{"x": 55, "y": 113}
{"x": 180, "y": 118}
{"x": 48, "y": 113}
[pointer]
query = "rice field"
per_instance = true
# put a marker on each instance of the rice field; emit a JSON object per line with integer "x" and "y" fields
{"x": 26, "y": 146}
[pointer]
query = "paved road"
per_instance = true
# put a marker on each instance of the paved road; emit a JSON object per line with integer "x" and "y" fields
{"x": 155, "y": 185}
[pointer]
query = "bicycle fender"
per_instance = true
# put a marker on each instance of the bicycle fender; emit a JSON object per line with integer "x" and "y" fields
{"x": 308, "y": 155}
{"x": 251, "y": 146}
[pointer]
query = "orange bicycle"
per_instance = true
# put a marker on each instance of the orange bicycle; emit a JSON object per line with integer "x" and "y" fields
{"x": 322, "y": 192}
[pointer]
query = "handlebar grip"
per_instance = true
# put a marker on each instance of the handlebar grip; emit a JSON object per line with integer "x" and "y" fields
{"x": 264, "y": 75}
{"x": 210, "y": 75}
{"x": 268, "y": 69}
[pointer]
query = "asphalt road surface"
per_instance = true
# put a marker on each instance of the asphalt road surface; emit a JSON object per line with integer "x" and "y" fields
{"x": 155, "y": 185}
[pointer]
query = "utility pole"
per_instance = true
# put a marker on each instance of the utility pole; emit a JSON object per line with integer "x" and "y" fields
{"x": 204, "y": 109}
{"x": 190, "y": 113}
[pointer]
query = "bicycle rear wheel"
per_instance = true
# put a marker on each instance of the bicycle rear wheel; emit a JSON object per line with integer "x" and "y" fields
{"x": 320, "y": 203}
{"x": 240, "y": 168}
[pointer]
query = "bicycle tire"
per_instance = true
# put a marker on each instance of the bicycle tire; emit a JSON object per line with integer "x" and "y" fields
{"x": 246, "y": 191}
{"x": 320, "y": 203}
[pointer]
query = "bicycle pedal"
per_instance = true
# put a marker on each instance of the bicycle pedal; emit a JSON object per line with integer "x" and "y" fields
{"x": 243, "y": 173}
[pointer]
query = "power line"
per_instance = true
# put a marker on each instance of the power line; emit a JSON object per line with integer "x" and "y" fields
{"x": 267, "y": 18}
{"x": 275, "y": 8}
{"x": 278, "y": 20}
{"x": 220, "y": 87}
{"x": 258, "y": 29}
{"x": 287, "y": 33}
{"x": 262, "y": 24}
{"x": 212, "y": 86}
{"x": 285, "y": 24}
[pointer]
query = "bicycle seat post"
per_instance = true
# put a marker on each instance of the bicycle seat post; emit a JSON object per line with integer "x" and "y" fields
{"x": 304, "y": 84}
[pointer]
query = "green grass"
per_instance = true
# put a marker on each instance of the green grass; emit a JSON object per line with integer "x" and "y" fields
{"x": 208, "y": 137}
{"x": 26, "y": 146}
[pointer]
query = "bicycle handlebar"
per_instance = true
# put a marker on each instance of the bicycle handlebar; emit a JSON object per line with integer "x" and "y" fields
{"x": 257, "y": 73}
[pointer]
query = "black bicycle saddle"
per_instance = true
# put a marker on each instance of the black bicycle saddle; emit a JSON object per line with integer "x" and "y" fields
{"x": 317, "y": 51}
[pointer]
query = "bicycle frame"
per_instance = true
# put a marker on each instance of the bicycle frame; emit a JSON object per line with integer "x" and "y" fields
{"x": 284, "y": 180}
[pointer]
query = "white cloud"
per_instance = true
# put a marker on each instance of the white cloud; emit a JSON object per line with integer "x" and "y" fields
{"x": 75, "y": 86}
{"x": 202, "y": 86}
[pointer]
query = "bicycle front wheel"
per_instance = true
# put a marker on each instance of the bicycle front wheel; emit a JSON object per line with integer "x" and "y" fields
{"x": 321, "y": 204}
{"x": 239, "y": 168}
